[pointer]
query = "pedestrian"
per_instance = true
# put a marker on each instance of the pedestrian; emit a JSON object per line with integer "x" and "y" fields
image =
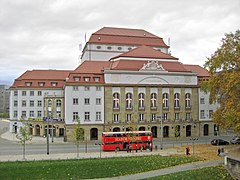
{"x": 136, "y": 148}
{"x": 187, "y": 151}
{"x": 219, "y": 150}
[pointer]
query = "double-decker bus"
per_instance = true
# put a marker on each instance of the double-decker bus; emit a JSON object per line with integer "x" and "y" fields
{"x": 130, "y": 140}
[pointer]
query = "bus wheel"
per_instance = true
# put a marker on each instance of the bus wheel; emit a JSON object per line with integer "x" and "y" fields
{"x": 117, "y": 149}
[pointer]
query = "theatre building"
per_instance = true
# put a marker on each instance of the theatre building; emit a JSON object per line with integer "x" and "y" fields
{"x": 127, "y": 79}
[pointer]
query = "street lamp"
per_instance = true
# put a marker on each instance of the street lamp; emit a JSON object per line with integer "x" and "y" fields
{"x": 161, "y": 135}
{"x": 193, "y": 139}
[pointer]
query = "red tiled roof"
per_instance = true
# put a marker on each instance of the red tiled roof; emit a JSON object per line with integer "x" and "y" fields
{"x": 88, "y": 69}
{"x": 44, "y": 76}
{"x": 145, "y": 52}
{"x": 136, "y": 65}
{"x": 201, "y": 72}
{"x": 110, "y": 35}
{"x": 92, "y": 67}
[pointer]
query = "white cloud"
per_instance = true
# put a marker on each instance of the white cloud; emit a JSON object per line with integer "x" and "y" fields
{"x": 46, "y": 34}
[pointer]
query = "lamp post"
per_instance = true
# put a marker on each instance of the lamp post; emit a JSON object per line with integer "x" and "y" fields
{"x": 48, "y": 135}
{"x": 193, "y": 139}
{"x": 161, "y": 132}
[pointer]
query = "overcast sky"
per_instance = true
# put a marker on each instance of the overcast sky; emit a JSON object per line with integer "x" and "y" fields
{"x": 45, "y": 34}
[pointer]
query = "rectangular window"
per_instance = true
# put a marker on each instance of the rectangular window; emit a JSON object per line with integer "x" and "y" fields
{"x": 24, "y": 114}
{"x": 24, "y": 103}
{"x": 58, "y": 114}
{"x": 15, "y": 114}
{"x": 31, "y": 93}
{"x": 31, "y": 103}
{"x": 39, "y": 93}
{"x": 177, "y": 116}
{"x": 128, "y": 118}
{"x": 75, "y": 116}
{"x": 98, "y": 88}
{"x": 98, "y": 101}
{"x": 24, "y": 93}
{"x": 86, "y": 88}
{"x": 15, "y": 103}
{"x": 165, "y": 116}
{"x": 15, "y": 93}
{"x": 210, "y": 114}
{"x": 86, "y": 101}
{"x": 202, "y": 114}
{"x": 75, "y": 101}
{"x": 141, "y": 117}
{"x": 115, "y": 118}
{"x": 31, "y": 114}
{"x": 39, "y": 103}
{"x": 75, "y": 88}
{"x": 98, "y": 116}
{"x": 39, "y": 114}
{"x": 202, "y": 101}
{"x": 188, "y": 116}
{"x": 87, "y": 116}
{"x": 154, "y": 117}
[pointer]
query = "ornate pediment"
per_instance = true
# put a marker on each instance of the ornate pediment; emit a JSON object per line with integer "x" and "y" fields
{"x": 152, "y": 66}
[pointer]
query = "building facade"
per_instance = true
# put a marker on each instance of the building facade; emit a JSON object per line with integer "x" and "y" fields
{"x": 4, "y": 99}
{"x": 127, "y": 79}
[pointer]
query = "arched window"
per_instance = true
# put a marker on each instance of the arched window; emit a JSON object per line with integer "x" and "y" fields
{"x": 205, "y": 130}
{"x": 141, "y": 98}
{"x": 188, "y": 100}
{"x": 116, "y": 129}
{"x": 129, "y": 104}
{"x": 154, "y": 131}
{"x": 116, "y": 101}
{"x": 165, "y": 100}
{"x": 142, "y": 128}
{"x": 166, "y": 131}
{"x": 153, "y": 102}
{"x": 94, "y": 134}
{"x": 188, "y": 130}
{"x": 176, "y": 100}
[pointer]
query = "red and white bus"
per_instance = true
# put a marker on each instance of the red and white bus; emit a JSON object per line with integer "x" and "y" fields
{"x": 130, "y": 140}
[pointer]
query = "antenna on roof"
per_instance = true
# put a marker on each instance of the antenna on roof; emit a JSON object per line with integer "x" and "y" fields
{"x": 169, "y": 51}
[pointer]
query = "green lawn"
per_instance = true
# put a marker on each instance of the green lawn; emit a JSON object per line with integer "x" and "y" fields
{"x": 213, "y": 173}
{"x": 88, "y": 168}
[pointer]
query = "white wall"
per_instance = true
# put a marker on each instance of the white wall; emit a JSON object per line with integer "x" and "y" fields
{"x": 81, "y": 108}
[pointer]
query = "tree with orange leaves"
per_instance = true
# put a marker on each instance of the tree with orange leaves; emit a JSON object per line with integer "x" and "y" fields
{"x": 224, "y": 82}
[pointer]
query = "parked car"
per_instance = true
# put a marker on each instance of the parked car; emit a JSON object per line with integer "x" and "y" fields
{"x": 219, "y": 142}
{"x": 235, "y": 140}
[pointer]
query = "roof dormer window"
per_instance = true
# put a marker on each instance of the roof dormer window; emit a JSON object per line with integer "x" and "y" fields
{"x": 99, "y": 47}
{"x": 119, "y": 48}
{"x": 87, "y": 79}
{"x": 77, "y": 78}
{"x": 54, "y": 84}
{"x": 28, "y": 83}
{"x": 96, "y": 79}
{"x": 109, "y": 47}
{"x": 41, "y": 83}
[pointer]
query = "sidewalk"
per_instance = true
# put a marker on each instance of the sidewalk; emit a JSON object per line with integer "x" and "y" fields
{"x": 35, "y": 139}
{"x": 170, "y": 170}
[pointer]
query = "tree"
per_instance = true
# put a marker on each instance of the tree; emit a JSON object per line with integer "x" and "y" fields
{"x": 224, "y": 82}
{"x": 78, "y": 135}
{"x": 23, "y": 136}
